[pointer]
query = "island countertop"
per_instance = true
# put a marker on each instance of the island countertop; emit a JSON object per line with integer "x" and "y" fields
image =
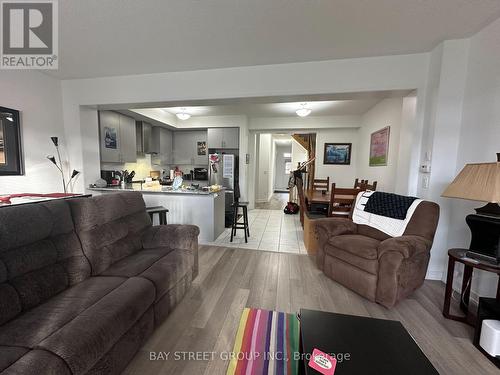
{"x": 156, "y": 190}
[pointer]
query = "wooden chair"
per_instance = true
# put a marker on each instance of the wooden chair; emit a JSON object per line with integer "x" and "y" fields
{"x": 358, "y": 183}
{"x": 341, "y": 201}
{"x": 321, "y": 184}
{"x": 365, "y": 185}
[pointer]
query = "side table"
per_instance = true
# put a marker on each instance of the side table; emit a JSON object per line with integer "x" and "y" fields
{"x": 458, "y": 255}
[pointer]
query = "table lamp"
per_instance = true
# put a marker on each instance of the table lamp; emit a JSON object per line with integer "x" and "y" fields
{"x": 481, "y": 182}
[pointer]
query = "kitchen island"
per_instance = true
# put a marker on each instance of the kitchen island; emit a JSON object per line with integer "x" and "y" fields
{"x": 202, "y": 208}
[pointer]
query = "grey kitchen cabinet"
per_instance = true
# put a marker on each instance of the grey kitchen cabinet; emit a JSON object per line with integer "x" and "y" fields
{"x": 231, "y": 137}
{"x": 161, "y": 146}
{"x": 185, "y": 145}
{"x": 117, "y": 138}
{"x": 127, "y": 134}
{"x": 223, "y": 137}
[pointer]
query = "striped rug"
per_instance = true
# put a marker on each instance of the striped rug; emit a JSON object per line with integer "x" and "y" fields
{"x": 267, "y": 343}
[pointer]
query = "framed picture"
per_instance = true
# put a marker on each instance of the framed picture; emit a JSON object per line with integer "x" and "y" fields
{"x": 202, "y": 147}
{"x": 337, "y": 153}
{"x": 379, "y": 147}
{"x": 110, "y": 137}
{"x": 11, "y": 162}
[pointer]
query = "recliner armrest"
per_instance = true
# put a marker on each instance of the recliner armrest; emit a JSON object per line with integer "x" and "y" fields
{"x": 327, "y": 228}
{"x": 407, "y": 246}
{"x": 174, "y": 236}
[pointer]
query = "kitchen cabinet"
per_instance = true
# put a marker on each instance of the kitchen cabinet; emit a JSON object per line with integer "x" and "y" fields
{"x": 223, "y": 138}
{"x": 127, "y": 135}
{"x": 161, "y": 146}
{"x": 117, "y": 138}
{"x": 185, "y": 145}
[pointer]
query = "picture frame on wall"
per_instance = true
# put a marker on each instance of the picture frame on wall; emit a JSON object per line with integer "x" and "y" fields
{"x": 11, "y": 161}
{"x": 337, "y": 153}
{"x": 379, "y": 147}
{"x": 201, "y": 146}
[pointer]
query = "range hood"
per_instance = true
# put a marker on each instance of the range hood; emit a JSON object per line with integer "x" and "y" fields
{"x": 144, "y": 134}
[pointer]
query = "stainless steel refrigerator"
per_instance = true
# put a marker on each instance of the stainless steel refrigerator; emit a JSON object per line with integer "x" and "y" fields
{"x": 223, "y": 170}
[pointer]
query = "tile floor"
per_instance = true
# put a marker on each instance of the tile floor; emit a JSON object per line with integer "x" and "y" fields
{"x": 270, "y": 230}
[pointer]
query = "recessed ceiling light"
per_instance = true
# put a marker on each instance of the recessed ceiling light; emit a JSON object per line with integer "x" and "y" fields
{"x": 303, "y": 111}
{"x": 183, "y": 115}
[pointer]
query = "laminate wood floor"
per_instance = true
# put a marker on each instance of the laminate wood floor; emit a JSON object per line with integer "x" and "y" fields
{"x": 230, "y": 279}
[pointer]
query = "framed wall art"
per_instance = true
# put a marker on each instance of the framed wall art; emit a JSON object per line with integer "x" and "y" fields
{"x": 379, "y": 147}
{"x": 337, "y": 153}
{"x": 11, "y": 161}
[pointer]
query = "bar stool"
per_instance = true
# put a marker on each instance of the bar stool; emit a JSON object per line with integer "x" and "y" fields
{"x": 236, "y": 205}
{"x": 161, "y": 211}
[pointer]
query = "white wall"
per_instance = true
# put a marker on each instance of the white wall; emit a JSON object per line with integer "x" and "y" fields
{"x": 446, "y": 87}
{"x": 264, "y": 160}
{"x": 38, "y": 98}
{"x": 385, "y": 113}
{"x": 342, "y": 175}
{"x": 280, "y": 177}
{"x": 479, "y": 138}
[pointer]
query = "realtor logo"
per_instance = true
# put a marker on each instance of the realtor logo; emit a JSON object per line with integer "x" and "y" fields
{"x": 29, "y": 34}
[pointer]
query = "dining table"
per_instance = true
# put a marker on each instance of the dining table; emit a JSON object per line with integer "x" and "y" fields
{"x": 317, "y": 197}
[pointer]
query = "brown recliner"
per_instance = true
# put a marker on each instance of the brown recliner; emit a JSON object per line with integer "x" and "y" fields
{"x": 381, "y": 268}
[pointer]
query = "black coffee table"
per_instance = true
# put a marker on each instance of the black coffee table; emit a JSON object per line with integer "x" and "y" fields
{"x": 374, "y": 346}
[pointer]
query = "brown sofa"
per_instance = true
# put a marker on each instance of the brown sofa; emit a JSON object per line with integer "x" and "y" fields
{"x": 381, "y": 268}
{"x": 83, "y": 282}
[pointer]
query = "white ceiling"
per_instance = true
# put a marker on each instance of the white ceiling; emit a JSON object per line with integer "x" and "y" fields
{"x": 319, "y": 108}
{"x": 117, "y": 37}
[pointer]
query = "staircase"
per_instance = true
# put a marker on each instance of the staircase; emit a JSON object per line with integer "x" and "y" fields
{"x": 308, "y": 141}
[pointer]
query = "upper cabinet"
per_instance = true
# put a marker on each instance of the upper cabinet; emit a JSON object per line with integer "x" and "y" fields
{"x": 223, "y": 137}
{"x": 186, "y": 150}
{"x": 117, "y": 138}
{"x": 161, "y": 146}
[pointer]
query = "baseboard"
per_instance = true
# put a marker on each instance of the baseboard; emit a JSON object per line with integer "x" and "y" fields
{"x": 434, "y": 275}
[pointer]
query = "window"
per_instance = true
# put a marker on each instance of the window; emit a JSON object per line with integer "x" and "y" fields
{"x": 287, "y": 154}
{"x": 288, "y": 167}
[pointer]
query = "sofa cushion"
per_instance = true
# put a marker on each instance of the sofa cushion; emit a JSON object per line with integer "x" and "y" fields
{"x": 30, "y": 328}
{"x": 40, "y": 255}
{"x": 9, "y": 355}
{"x": 368, "y": 265}
{"x": 82, "y": 341}
{"x": 164, "y": 267}
{"x": 36, "y": 362}
{"x": 361, "y": 246}
{"x": 137, "y": 263}
{"x": 109, "y": 227}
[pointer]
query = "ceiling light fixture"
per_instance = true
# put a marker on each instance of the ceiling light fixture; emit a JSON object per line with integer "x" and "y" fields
{"x": 303, "y": 111}
{"x": 183, "y": 115}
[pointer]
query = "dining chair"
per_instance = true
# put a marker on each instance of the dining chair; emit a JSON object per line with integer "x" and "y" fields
{"x": 358, "y": 183}
{"x": 321, "y": 184}
{"x": 365, "y": 185}
{"x": 341, "y": 201}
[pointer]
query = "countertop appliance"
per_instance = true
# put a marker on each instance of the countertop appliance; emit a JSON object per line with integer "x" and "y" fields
{"x": 109, "y": 176}
{"x": 201, "y": 174}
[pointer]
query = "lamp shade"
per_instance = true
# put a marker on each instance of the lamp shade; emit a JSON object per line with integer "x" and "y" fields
{"x": 478, "y": 182}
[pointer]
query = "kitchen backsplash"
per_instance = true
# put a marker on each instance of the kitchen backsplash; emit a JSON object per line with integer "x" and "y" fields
{"x": 142, "y": 166}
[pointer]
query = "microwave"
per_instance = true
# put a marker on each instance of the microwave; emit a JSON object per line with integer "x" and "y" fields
{"x": 200, "y": 174}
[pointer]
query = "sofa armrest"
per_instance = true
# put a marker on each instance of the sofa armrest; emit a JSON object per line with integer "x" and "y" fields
{"x": 407, "y": 246}
{"x": 327, "y": 228}
{"x": 173, "y": 236}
